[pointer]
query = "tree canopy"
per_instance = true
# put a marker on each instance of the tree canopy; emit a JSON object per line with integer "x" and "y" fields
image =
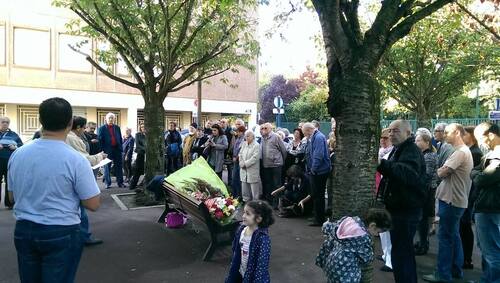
{"x": 440, "y": 59}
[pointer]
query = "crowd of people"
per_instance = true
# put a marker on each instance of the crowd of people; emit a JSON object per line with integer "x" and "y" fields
{"x": 449, "y": 178}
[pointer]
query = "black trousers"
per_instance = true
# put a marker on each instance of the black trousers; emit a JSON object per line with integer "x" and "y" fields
{"x": 3, "y": 176}
{"x": 467, "y": 237}
{"x": 271, "y": 180}
{"x": 138, "y": 170}
{"x": 127, "y": 168}
{"x": 318, "y": 187}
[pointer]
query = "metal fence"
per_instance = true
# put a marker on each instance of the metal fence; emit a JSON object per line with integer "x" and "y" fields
{"x": 326, "y": 125}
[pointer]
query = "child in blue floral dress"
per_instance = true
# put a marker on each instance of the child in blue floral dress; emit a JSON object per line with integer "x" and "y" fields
{"x": 252, "y": 245}
{"x": 347, "y": 251}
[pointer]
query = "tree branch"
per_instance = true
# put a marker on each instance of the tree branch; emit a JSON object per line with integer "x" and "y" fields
{"x": 404, "y": 27}
{"x": 104, "y": 71}
{"x": 482, "y": 23}
{"x": 200, "y": 78}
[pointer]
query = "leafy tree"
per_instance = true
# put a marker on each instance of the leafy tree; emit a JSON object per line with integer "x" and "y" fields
{"x": 441, "y": 59}
{"x": 310, "y": 105}
{"x": 353, "y": 54}
{"x": 167, "y": 45}
{"x": 287, "y": 89}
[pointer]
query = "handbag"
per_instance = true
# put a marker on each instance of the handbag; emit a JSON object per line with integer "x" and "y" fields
{"x": 175, "y": 219}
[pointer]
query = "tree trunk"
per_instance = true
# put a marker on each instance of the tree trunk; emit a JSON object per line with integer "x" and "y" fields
{"x": 354, "y": 102}
{"x": 424, "y": 119}
{"x": 154, "y": 116}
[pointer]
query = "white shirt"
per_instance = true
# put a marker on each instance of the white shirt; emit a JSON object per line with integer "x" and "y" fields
{"x": 245, "y": 249}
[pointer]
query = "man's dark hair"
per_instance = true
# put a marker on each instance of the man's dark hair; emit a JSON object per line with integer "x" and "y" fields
{"x": 55, "y": 114}
{"x": 78, "y": 122}
{"x": 264, "y": 210}
{"x": 494, "y": 129}
{"x": 380, "y": 217}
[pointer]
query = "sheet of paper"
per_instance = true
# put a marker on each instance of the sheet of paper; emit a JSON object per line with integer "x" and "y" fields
{"x": 102, "y": 163}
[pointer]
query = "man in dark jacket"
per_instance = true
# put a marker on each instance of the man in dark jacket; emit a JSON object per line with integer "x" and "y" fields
{"x": 9, "y": 141}
{"x": 128, "y": 150}
{"x": 318, "y": 168}
{"x": 403, "y": 190}
{"x": 92, "y": 138}
{"x": 487, "y": 206}
{"x": 110, "y": 139}
{"x": 173, "y": 151}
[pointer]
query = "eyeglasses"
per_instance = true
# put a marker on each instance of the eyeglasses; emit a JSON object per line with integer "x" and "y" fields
{"x": 5, "y": 122}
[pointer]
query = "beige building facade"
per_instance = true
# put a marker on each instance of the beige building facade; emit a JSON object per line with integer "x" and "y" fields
{"x": 36, "y": 63}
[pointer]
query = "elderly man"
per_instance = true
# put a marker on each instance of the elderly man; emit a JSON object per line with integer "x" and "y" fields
{"x": 273, "y": 155}
{"x": 110, "y": 139}
{"x": 453, "y": 195}
{"x": 487, "y": 206}
{"x": 318, "y": 167}
{"x": 9, "y": 141}
{"x": 403, "y": 191}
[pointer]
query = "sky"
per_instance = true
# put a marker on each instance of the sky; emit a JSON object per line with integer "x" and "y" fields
{"x": 290, "y": 53}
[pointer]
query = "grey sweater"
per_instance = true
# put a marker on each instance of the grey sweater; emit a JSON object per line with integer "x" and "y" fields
{"x": 273, "y": 151}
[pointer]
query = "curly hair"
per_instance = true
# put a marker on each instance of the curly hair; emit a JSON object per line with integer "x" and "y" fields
{"x": 264, "y": 210}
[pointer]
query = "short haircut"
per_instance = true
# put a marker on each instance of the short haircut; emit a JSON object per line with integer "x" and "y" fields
{"x": 380, "y": 217}
{"x": 286, "y": 131}
{"x": 5, "y": 118}
{"x": 264, "y": 210}
{"x": 308, "y": 126}
{"x": 110, "y": 114}
{"x": 300, "y": 132}
{"x": 470, "y": 131}
{"x": 458, "y": 127}
{"x": 440, "y": 126}
{"x": 423, "y": 131}
{"x": 78, "y": 122}
{"x": 316, "y": 124}
{"x": 90, "y": 124}
{"x": 250, "y": 132}
{"x": 172, "y": 122}
{"x": 491, "y": 128}
{"x": 425, "y": 136}
{"x": 55, "y": 114}
{"x": 404, "y": 125}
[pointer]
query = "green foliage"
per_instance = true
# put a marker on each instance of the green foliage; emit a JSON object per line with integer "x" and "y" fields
{"x": 465, "y": 107}
{"x": 168, "y": 45}
{"x": 310, "y": 105}
{"x": 441, "y": 59}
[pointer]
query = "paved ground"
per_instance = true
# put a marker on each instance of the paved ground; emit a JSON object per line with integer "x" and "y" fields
{"x": 137, "y": 249}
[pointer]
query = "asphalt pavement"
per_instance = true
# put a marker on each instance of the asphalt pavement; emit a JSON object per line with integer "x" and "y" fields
{"x": 138, "y": 249}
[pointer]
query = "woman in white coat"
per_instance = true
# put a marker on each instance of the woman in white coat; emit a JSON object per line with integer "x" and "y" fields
{"x": 249, "y": 158}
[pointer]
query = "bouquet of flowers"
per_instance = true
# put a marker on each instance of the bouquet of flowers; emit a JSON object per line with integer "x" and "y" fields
{"x": 222, "y": 209}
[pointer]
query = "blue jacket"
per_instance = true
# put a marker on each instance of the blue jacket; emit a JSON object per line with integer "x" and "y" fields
{"x": 258, "y": 258}
{"x": 6, "y": 139}
{"x": 128, "y": 147}
{"x": 317, "y": 155}
{"x": 105, "y": 138}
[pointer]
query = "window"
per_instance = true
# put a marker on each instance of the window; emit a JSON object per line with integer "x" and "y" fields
{"x": 2, "y": 110}
{"x": 24, "y": 52}
{"x": 2, "y": 45}
{"x": 69, "y": 60}
{"x": 28, "y": 121}
{"x": 173, "y": 117}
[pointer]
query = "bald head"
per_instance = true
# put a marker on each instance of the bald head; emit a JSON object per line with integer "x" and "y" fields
{"x": 399, "y": 131}
{"x": 454, "y": 134}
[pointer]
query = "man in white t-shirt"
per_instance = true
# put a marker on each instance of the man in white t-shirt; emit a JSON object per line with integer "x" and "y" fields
{"x": 452, "y": 193}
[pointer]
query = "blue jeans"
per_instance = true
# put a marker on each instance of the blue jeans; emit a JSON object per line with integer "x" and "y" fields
{"x": 236, "y": 184}
{"x": 404, "y": 227}
{"x": 84, "y": 225}
{"x": 488, "y": 236}
{"x": 47, "y": 253}
{"x": 116, "y": 156}
{"x": 450, "y": 253}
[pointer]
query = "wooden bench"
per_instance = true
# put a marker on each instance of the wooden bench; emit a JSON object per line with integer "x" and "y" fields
{"x": 198, "y": 210}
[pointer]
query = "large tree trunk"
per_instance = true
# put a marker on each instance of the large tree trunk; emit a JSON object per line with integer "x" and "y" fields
{"x": 154, "y": 116}
{"x": 354, "y": 102}
{"x": 424, "y": 118}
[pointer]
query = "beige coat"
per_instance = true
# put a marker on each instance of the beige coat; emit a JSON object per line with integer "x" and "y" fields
{"x": 76, "y": 143}
{"x": 249, "y": 162}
